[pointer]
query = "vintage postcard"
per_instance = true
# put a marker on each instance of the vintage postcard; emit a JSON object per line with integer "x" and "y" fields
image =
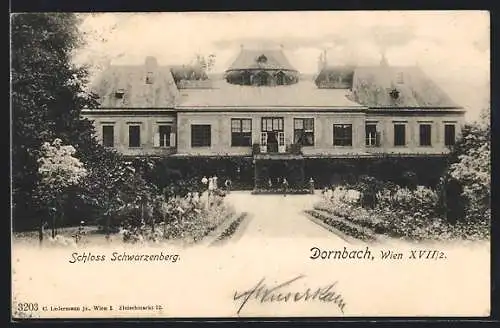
{"x": 250, "y": 164}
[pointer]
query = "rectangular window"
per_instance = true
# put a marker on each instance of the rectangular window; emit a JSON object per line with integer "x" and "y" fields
{"x": 201, "y": 135}
{"x": 241, "y": 132}
{"x": 303, "y": 131}
{"x": 371, "y": 135}
{"x": 399, "y": 134}
{"x": 164, "y": 131}
{"x": 342, "y": 134}
{"x": 108, "y": 136}
{"x": 272, "y": 124}
{"x": 425, "y": 134}
{"x": 449, "y": 134}
{"x": 134, "y": 136}
{"x": 399, "y": 78}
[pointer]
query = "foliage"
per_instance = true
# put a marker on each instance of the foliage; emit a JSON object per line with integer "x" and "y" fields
{"x": 471, "y": 168}
{"x": 189, "y": 218}
{"x": 398, "y": 212}
{"x": 59, "y": 170}
{"x": 47, "y": 96}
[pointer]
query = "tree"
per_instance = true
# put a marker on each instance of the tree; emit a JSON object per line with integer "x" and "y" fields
{"x": 47, "y": 96}
{"x": 59, "y": 170}
{"x": 471, "y": 167}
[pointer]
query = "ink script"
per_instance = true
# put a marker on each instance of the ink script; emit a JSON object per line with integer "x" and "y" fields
{"x": 286, "y": 293}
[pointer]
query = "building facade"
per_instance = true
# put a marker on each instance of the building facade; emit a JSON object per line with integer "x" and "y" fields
{"x": 262, "y": 109}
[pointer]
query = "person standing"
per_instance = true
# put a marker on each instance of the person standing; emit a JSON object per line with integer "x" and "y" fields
{"x": 311, "y": 186}
{"x": 214, "y": 178}
{"x": 285, "y": 186}
{"x": 228, "y": 185}
{"x": 211, "y": 185}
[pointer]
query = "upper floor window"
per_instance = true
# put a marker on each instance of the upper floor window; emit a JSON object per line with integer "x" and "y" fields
{"x": 425, "y": 134}
{"x": 449, "y": 134}
{"x": 342, "y": 134}
{"x": 201, "y": 135}
{"x": 108, "y": 135}
{"x": 399, "y": 134}
{"x": 371, "y": 134}
{"x": 303, "y": 131}
{"x": 241, "y": 132}
{"x": 134, "y": 136}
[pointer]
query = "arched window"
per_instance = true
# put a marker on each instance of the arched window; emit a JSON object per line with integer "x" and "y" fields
{"x": 280, "y": 78}
{"x": 261, "y": 78}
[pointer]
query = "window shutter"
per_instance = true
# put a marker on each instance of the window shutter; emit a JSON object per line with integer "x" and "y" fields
{"x": 172, "y": 139}
{"x": 156, "y": 140}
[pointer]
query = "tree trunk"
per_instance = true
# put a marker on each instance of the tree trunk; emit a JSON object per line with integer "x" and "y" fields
{"x": 54, "y": 225}
{"x": 107, "y": 226}
{"x": 164, "y": 225}
{"x": 40, "y": 231}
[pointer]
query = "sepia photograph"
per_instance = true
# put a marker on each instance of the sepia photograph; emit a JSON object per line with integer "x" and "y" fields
{"x": 250, "y": 164}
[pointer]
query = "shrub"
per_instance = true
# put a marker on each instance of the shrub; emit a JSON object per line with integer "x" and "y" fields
{"x": 188, "y": 218}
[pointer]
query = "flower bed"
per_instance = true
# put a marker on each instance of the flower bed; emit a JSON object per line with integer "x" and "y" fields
{"x": 280, "y": 192}
{"x": 227, "y": 233}
{"x": 400, "y": 213}
{"x": 341, "y": 225}
{"x": 185, "y": 219}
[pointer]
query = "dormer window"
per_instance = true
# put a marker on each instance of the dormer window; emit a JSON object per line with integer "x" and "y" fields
{"x": 119, "y": 93}
{"x": 399, "y": 78}
{"x": 149, "y": 78}
{"x": 394, "y": 93}
{"x": 262, "y": 59}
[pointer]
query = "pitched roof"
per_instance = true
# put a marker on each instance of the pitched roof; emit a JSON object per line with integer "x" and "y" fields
{"x": 131, "y": 80}
{"x": 333, "y": 73}
{"x": 248, "y": 59}
{"x": 372, "y": 87}
{"x": 187, "y": 72}
{"x": 230, "y": 96}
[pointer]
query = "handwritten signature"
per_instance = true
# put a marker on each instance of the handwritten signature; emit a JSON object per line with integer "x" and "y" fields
{"x": 263, "y": 294}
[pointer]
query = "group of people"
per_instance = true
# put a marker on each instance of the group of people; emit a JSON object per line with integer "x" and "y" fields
{"x": 285, "y": 185}
{"x": 212, "y": 185}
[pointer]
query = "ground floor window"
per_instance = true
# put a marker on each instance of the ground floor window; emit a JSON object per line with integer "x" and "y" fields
{"x": 303, "y": 131}
{"x": 134, "y": 136}
{"x": 399, "y": 134}
{"x": 272, "y": 124}
{"x": 449, "y": 134}
{"x": 371, "y": 135}
{"x": 425, "y": 134}
{"x": 108, "y": 136}
{"x": 201, "y": 135}
{"x": 164, "y": 134}
{"x": 342, "y": 134}
{"x": 241, "y": 132}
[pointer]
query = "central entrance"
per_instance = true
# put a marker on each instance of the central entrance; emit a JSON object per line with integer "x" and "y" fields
{"x": 273, "y": 135}
{"x": 271, "y": 170}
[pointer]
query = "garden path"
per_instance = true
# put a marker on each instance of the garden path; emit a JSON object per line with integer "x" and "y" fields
{"x": 278, "y": 216}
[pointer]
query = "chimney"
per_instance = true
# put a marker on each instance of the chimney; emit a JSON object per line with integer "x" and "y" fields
{"x": 383, "y": 60}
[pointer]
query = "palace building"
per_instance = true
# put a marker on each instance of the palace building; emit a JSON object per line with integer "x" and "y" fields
{"x": 265, "y": 112}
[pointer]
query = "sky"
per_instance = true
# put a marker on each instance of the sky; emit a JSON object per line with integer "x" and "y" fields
{"x": 452, "y": 47}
